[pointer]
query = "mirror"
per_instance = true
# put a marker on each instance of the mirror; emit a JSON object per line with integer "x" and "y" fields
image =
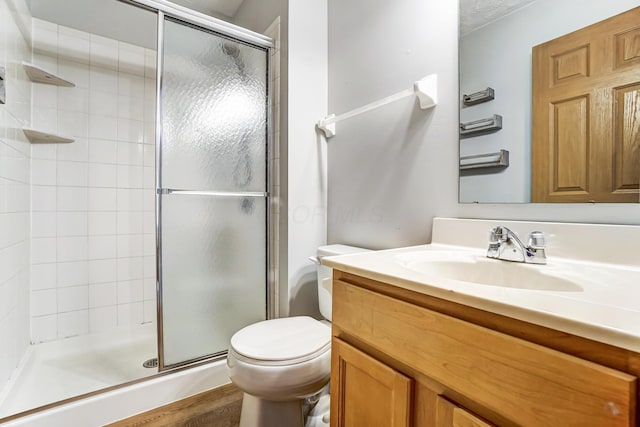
{"x": 548, "y": 117}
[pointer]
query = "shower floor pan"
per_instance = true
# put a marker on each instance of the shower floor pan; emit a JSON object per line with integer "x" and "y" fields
{"x": 58, "y": 370}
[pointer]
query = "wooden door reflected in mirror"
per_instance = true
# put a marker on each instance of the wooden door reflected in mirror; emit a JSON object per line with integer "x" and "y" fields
{"x": 586, "y": 114}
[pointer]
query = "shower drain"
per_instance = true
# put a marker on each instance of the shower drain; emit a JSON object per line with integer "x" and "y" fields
{"x": 151, "y": 363}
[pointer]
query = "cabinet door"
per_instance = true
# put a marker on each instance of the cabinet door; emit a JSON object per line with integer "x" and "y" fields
{"x": 450, "y": 415}
{"x": 366, "y": 392}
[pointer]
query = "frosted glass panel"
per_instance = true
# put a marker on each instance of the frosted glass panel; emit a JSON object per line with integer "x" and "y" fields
{"x": 213, "y": 271}
{"x": 214, "y": 112}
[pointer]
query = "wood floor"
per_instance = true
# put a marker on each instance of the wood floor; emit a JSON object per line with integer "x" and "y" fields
{"x": 219, "y": 407}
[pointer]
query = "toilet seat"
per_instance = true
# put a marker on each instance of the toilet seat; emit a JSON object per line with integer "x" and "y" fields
{"x": 281, "y": 342}
{"x": 295, "y": 361}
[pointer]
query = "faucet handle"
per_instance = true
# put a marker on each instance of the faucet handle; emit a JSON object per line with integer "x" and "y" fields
{"x": 498, "y": 234}
{"x": 493, "y": 235}
{"x": 536, "y": 240}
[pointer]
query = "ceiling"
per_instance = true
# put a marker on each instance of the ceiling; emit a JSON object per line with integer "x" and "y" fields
{"x": 478, "y": 13}
{"x": 227, "y": 8}
{"x": 473, "y": 13}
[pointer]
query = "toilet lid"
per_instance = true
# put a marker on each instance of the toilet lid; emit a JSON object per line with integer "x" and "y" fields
{"x": 283, "y": 339}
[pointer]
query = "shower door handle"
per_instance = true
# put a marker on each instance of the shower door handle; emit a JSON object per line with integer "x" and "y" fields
{"x": 170, "y": 191}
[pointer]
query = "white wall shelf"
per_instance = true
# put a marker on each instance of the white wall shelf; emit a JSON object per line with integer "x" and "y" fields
{"x": 38, "y": 75}
{"x": 39, "y": 137}
{"x": 425, "y": 89}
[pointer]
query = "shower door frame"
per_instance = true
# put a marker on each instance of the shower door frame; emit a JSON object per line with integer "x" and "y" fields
{"x": 200, "y": 21}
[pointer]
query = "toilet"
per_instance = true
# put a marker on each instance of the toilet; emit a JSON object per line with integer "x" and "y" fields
{"x": 280, "y": 363}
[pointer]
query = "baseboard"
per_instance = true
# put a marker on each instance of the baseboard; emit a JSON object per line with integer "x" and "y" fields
{"x": 218, "y": 407}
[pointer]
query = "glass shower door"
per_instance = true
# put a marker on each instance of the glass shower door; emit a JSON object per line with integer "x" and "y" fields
{"x": 212, "y": 192}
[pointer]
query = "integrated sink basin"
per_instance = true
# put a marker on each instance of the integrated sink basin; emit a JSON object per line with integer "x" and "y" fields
{"x": 478, "y": 269}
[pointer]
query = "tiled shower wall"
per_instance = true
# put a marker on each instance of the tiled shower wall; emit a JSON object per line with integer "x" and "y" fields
{"x": 15, "y": 28}
{"x": 93, "y": 244}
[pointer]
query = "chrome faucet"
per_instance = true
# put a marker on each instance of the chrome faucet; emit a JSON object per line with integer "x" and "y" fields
{"x": 504, "y": 244}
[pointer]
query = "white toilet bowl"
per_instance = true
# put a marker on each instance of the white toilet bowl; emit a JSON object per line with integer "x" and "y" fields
{"x": 280, "y": 362}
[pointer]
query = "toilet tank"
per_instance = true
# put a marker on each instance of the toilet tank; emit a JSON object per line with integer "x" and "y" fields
{"x": 325, "y": 273}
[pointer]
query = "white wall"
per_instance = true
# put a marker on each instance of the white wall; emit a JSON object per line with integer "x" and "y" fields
{"x": 108, "y": 18}
{"x": 306, "y": 173}
{"x": 499, "y": 55}
{"x": 93, "y": 241}
{"x": 392, "y": 171}
{"x": 257, "y": 15}
{"x": 14, "y": 187}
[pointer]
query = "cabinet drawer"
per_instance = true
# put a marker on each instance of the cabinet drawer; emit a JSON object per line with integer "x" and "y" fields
{"x": 526, "y": 383}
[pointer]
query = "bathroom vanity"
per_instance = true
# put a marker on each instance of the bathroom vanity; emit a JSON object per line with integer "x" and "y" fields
{"x": 415, "y": 344}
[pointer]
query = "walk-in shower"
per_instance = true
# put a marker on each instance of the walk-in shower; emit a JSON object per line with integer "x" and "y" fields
{"x": 143, "y": 244}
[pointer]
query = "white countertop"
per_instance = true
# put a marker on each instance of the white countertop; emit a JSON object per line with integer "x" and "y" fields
{"x": 605, "y": 307}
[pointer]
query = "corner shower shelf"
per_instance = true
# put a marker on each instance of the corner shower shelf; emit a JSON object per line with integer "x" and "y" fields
{"x": 38, "y": 75}
{"x": 39, "y": 137}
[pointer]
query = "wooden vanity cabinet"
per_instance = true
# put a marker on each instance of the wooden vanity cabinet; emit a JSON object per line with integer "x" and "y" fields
{"x": 401, "y": 358}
